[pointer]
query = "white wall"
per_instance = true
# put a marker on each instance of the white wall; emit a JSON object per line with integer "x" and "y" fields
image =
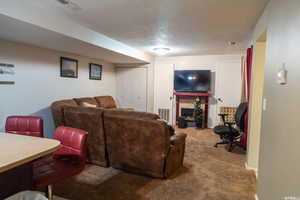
{"x": 38, "y": 82}
{"x": 232, "y": 63}
{"x": 279, "y": 156}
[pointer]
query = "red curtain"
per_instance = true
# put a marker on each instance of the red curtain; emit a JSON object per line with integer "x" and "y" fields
{"x": 248, "y": 70}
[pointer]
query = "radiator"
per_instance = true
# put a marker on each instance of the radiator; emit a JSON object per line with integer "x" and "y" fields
{"x": 164, "y": 113}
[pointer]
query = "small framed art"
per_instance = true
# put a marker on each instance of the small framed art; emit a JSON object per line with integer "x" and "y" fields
{"x": 95, "y": 71}
{"x": 68, "y": 67}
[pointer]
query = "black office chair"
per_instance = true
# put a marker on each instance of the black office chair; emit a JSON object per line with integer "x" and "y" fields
{"x": 229, "y": 133}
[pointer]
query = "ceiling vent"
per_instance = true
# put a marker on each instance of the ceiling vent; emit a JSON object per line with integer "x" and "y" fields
{"x": 232, "y": 43}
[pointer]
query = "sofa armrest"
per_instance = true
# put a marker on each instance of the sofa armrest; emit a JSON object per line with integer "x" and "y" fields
{"x": 178, "y": 138}
{"x": 174, "y": 160}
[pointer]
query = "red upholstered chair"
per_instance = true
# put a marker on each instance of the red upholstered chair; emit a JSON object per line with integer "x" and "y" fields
{"x": 67, "y": 161}
{"x": 25, "y": 125}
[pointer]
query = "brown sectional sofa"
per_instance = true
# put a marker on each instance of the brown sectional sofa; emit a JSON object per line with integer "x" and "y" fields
{"x": 136, "y": 142}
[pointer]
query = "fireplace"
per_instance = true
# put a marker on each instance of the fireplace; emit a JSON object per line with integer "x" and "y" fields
{"x": 188, "y": 115}
{"x": 185, "y": 110}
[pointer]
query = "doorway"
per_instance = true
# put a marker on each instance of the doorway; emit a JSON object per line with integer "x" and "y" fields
{"x": 132, "y": 88}
{"x": 256, "y": 101}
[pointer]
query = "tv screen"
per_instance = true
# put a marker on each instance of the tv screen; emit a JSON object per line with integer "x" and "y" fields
{"x": 192, "y": 80}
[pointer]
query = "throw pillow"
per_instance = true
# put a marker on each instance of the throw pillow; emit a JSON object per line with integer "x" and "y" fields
{"x": 86, "y": 104}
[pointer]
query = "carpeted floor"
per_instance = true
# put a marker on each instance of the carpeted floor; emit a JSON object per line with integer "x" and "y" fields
{"x": 209, "y": 174}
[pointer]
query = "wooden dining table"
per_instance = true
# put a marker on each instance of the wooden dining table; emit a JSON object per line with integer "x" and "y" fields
{"x": 17, "y": 152}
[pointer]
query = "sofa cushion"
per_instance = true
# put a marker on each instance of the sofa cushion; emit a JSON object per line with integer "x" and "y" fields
{"x": 89, "y": 105}
{"x": 89, "y": 100}
{"x": 106, "y": 102}
{"x": 57, "y": 110}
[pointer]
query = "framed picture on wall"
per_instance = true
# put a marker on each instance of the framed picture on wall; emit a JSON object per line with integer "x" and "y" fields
{"x": 95, "y": 71}
{"x": 68, "y": 67}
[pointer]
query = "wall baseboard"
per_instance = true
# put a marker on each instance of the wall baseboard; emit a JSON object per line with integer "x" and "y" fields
{"x": 251, "y": 168}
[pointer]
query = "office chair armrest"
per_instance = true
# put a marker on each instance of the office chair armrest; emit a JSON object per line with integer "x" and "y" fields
{"x": 223, "y": 115}
{"x": 230, "y": 124}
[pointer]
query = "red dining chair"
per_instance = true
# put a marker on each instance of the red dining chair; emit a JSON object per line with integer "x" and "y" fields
{"x": 25, "y": 125}
{"x": 67, "y": 161}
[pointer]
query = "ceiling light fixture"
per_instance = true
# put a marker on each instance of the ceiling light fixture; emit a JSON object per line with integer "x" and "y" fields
{"x": 70, "y": 4}
{"x": 161, "y": 51}
{"x": 65, "y": 2}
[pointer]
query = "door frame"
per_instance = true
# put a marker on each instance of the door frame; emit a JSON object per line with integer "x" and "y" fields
{"x": 256, "y": 102}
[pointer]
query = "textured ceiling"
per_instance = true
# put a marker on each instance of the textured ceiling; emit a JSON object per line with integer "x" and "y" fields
{"x": 188, "y": 27}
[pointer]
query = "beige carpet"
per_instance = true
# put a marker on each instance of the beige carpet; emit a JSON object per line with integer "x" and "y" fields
{"x": 209, "y": 174}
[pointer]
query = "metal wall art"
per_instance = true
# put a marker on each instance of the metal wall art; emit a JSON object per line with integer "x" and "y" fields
{"x": 6, "y": 72}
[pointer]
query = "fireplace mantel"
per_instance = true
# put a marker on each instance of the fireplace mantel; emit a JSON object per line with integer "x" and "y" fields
{"x": 193, "y": 95}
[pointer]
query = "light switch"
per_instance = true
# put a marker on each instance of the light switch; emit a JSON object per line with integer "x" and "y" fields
{"x": 282, "y": 75}
{"x": 264, "y": 104}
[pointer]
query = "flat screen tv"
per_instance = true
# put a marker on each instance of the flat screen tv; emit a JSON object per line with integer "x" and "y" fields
{"x": 192, "y": 80}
